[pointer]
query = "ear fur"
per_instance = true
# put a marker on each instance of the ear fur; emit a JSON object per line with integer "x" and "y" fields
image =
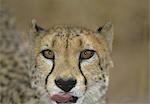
{"x": 35, "y": 31}
{"x": 107, "y": 31}
{"x": 36, "y": 28}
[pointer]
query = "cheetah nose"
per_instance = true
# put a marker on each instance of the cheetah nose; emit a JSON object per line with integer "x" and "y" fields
{"x": 65, "y": 84}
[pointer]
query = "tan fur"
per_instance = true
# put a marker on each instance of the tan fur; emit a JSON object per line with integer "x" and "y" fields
{"x": 67, "y": 42}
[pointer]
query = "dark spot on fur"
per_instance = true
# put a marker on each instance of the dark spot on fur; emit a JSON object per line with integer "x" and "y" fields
{"x": 33, "y": 77}
{"x": 15, "y": 64}
{"x": 35, "y": 97}
{"x": 104, "y": 80}
{"x": 103, "y": 87}
{"x": 77, "y": 35}
{"x": 103, "y": 75}
{"x": 33, "y": 71}
{"x": 2, "y": 84}
{"x": 100, "y": 78}
{"x": 8, "y": 77}
{"x": 35, "y": 83}
{"x": 67, "y": 43}
{"x": 3, "y": 64}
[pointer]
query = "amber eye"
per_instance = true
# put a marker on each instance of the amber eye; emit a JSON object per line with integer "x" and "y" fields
{"x": 48, "y": 54}
{"x": 86, "y": 54}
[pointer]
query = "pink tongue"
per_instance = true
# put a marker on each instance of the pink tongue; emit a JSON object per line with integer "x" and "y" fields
{"x": 61, "y": 97}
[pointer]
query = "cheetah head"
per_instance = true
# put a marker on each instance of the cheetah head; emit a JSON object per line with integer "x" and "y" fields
{"x": 70, "y": 65}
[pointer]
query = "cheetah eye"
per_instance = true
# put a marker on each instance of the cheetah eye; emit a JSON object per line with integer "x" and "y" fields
{"x": 86, "y": 54}
{"x": 49, "y": 54}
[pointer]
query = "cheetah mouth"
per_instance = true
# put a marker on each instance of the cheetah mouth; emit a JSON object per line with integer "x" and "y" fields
{"x": 64, "y": 98}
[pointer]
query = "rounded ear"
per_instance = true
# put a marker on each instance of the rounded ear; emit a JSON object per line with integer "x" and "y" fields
{"x": 36, "y": 28}
{"x": 35, "y": 31}
{"x": 107, "y": 31}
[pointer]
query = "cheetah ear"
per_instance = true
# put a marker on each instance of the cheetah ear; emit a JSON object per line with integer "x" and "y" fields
{"x": 36, "y": 28}
{"x": 107, "y": 31}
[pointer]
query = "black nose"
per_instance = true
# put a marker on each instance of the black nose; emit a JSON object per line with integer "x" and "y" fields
{"x": 65, "y": 84}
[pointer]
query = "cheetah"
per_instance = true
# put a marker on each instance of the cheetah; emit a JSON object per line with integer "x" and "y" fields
{"x": 61, "y": 65}
{"x": 70, "y": 64}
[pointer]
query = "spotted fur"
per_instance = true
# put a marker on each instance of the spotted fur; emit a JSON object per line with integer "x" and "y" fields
{"x": 15, "y": 87}
{"x": 67, "y": 42}
{"x": 22, "y": 64}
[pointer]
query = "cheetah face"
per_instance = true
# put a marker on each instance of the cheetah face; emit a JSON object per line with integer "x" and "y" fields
{"x": 70, "y": 64}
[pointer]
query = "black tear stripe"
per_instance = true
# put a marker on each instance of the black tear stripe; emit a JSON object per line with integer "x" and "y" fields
{"x": 85, "y": 80}
{"x": 46, "y": 79}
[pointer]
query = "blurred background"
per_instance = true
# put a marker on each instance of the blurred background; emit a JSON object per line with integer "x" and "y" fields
{"x": 129, "y": 77}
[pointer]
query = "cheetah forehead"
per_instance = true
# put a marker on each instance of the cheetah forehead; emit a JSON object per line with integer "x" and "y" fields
{"x": 69, "y": 30}
{"x": 71, "y": 38}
